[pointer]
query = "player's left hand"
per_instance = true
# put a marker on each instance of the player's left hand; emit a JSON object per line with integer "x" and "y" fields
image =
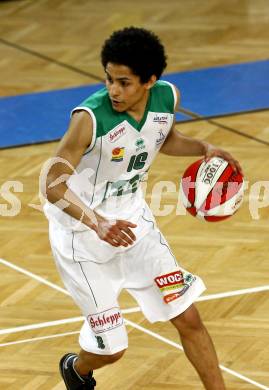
{"x": 116, "y": 232}
{"x": 212, "y": 151}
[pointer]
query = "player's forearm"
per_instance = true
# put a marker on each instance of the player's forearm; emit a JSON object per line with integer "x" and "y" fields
{"x": 62, "y": 197}
{"x": 179, "y": 145}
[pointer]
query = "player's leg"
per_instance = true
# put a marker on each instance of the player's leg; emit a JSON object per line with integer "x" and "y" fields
{"x": 103, "y": 337}
{"x": 166, "y": 291}
{"x": 199, "y": 348}
{"x": 77, "y": 370}
{"x": 87, "y": 361}
{"x": 72, "y": 379}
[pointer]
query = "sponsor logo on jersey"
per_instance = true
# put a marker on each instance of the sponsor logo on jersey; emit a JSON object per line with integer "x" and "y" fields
{"x": 174, "y": 284}
{"x": 116, "y": 134}
{"x": 140, "y": 144}
{"x": 160, "y": 119}
{"x": 174, "y": 279}
{"x": 106, "y": 320}
{"x": 117, "y": 154}
{"x": 160, "y": 138}
{"x": 173, "y": 296}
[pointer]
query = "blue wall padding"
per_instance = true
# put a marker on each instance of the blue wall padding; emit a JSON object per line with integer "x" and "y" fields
{"x": 223, "y": 90}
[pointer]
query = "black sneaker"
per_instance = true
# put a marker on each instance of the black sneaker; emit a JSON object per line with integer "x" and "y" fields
{"x": 71, "y": 379}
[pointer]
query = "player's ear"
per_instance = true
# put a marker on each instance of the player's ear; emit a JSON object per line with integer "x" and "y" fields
{"x": 149, "y": 84}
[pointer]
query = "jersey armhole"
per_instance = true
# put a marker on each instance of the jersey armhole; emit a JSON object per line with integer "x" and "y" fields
{"x": 174, "y": 93}
{"x": 94, "y": 129}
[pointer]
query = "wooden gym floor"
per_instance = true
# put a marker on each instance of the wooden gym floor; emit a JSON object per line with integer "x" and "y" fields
{"x": 231, "y": 257}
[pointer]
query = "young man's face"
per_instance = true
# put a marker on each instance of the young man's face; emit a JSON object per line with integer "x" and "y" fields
{"x": 125, "y": 88}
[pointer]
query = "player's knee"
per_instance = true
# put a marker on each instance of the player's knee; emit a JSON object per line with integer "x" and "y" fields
{"x": 188, "y": 322}
{"x": 109, "y": 359}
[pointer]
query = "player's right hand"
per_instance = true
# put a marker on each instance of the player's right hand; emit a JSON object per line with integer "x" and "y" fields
{"x": 116, "y": 233}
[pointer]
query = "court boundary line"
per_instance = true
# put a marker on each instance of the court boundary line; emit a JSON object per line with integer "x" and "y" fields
{"x": 50, "y": 59}
{"x": 41, "y": 325}
{"x": 130, "y": 310}
{"x": 128, "y": 322}
{"x": 233, "y": 293}
{"x": 40, "y": 338}
{"x": 148, "y": 332}
{"x": 213, "y": 122}
{"x": 82, "y": 72}
{"x": 199, "y": 118}
{"x": 48, "y": 324}
{"x": 178, "y": 346}
{"x": 34, "y": 276}
{"x": 195, "y": 119}
{"x": 200, "y": 299}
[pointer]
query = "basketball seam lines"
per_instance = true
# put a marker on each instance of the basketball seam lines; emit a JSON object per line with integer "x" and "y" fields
{"x": 196, "y": 173}
{"x": 210, "y": 192}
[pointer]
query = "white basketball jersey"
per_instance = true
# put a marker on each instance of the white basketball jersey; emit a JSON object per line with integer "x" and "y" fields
{"x": 122, "y": 150}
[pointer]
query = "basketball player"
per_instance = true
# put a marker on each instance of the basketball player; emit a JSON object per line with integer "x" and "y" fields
{"x": 113, "y": 138}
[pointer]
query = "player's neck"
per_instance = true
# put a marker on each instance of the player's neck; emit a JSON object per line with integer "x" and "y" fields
{"x": 138, "y": 109}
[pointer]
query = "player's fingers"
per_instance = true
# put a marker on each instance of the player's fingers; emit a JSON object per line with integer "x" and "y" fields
{"x": 130, "y": 224}
{"x": 121, "y": 238}
{"x": 112, "y": 242}
{"x": 111, "y": 239}
{"x": 118, "y": 238}
{"x": 125, "y": 238}
{"x": 209, "y": 155}
{"x": 124, "y": 226}
{"x": 231, "y": 162}
{"x": 120, "y": 233}
{"x": 235, "y": 165}
{"x": 238, "y": 167}
{"x": 129, "y": 233}
{"x": 122, "y": 223}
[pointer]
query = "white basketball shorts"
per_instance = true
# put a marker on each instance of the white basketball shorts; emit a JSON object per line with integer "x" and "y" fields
{"x": 147, "y": 270}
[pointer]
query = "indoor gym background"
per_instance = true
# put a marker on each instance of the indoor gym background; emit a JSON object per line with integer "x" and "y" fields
{"x": 218, "y": 56}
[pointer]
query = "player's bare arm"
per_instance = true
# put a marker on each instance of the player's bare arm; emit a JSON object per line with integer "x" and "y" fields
{"x": 177, "y": 144}
{"x": 70, "y": 151}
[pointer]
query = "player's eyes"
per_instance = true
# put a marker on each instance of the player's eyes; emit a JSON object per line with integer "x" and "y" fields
{"x": 122, "y": 83}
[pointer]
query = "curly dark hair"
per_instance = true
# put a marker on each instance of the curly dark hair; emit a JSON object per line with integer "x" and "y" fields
{"x": 137, "y": 48}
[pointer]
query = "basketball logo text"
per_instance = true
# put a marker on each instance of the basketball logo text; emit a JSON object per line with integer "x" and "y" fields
{"x": 210, "y": 171}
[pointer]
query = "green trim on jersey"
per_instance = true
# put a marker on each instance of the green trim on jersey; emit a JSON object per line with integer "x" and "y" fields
{"x": 161, "y": 99}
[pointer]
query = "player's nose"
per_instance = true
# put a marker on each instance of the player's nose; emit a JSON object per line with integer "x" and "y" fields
{"x": 114, "y": 91}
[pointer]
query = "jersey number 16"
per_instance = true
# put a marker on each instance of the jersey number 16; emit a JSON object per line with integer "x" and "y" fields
{"x": 137, "y": 161}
